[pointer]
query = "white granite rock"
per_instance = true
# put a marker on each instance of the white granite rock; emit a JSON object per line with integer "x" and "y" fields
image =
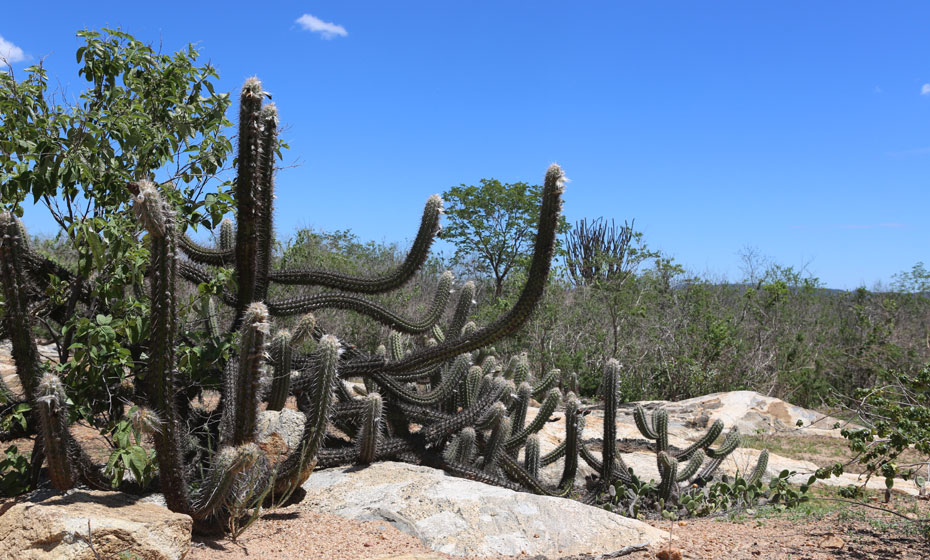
{"x": 462, "y": 517}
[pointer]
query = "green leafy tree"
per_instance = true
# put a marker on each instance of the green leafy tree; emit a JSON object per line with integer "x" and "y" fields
{"x": 143, "y": 115}
{"x": 494, "y": 224}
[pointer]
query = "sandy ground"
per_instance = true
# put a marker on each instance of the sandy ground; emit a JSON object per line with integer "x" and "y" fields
{"x": 845, "y": 532}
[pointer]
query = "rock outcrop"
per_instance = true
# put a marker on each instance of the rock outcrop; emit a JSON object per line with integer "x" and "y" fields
{"x": 54, "y": 526}
{"x": 462, "y": 517}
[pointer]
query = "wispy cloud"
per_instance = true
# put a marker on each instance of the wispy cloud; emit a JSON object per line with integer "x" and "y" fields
{"x": 10, "y": 52}
{"x": 925, "y": 89}
{"x": 877, "y": 89}
{"x": 328, "y": 30}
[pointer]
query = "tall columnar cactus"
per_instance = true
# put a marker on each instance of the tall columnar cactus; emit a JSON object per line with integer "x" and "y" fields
{"x": 452, "y": 386}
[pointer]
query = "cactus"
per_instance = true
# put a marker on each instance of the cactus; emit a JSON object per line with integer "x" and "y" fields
{"x": 370, "y": 434}
{"x": 209, "y": 464}
{"x": 281, "y": 377}
{"x": 668, "y": 460}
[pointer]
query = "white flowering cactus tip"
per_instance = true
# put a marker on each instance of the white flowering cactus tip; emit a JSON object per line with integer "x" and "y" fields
{"x": 146, "y": 421}
{"x": 148, "y": 208}
{"x": 270, "y": 112}
{"x": 252, "y": 86}
{"x": 329, "y": 341}
{"x": 256, "y": 316}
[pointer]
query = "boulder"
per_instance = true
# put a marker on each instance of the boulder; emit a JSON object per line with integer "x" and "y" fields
{"x": 462, "y": 517}
{"x": 50, "y": 525}
{"x": 279, "y": 432}
{"x": 750, "y": 412}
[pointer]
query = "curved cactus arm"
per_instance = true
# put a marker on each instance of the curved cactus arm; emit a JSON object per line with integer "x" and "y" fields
{"x": 489, "y": 366}
{"x": 466, "y": 417}
{"x": 281, "y": 357}
{"x": 494, "y": 448}
{"x": 197, "y": 275}
{"x": 490, "y": 420}
{"x": 550, "y": 213}
{"x": 158, "y": 219}
{"x": 620, "y": 470}
{"x": 396, "y": 347}
{"x": 266, "y": 157}
{"x": 694, "y": 463}
{"x": 441, "y": 392}
{"x": 730, "y": 443}
{"x": 252, "y": 345}
{"x": 510, "y": 368}
{"x": 220, "y": 481}
{"x": 572, "y": 436}
{"x": 531, "y": 459}
{"x": 668, "y": 469}
{"x": 557, "y": 453}
{"x": 520, "y": 406}
{"x": 546, "y": 383}
{"x": 707, "y": 472}
{"x": 463, "y": 447}
{"x": 643, "y": 424}
{"x": 429, "y": 226}
{"x": 350, "y": 302}
{"x": 337, "y": 457}
{"x": 347, "y": 410}
{"x": 472, "y": 382}
{"x": 462, "y": 308}
{"x": 471, "y": 473}
{"x": 759, "y": 470}
{"x": 545, "y": 411}
{"x": 300, "y": 462}
{"x": 521, "y": 369}
{"x": 709, "y": 437}
{"x": 247, "y": 192}
{"x": 525, "y": 479}
{"x": 369, "y": 434}
{"x": 422, "y": 414}
{"x": 205, "y": 255}
{"x": 660, "y": 426}
{"x": 438, "y": 334}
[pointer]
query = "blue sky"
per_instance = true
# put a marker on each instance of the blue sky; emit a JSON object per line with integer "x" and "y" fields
{"x": 801, "y": 129}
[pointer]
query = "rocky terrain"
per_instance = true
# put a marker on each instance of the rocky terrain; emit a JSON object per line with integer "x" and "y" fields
{"x": 401, "y": 511}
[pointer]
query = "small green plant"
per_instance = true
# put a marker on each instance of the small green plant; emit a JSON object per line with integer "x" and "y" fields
{"x": 128, "y": 455}
{"x": 14, "y": 472}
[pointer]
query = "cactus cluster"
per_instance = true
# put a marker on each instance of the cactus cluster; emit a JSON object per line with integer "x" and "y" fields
{"x": 420, "y": 400}
{"x": 436, "y": 393}
{"x": 613, "y": 472}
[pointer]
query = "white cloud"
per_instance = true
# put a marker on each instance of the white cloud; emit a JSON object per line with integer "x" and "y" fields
{"x": 326, "y": 29}
{"x": 10, "y": 52}
{"x": 925, "y": 89}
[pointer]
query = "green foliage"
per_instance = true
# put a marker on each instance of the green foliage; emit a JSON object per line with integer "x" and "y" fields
{"x": 142, "y": 114}
{"x": 14, "y": 472}
{"x": 129, "y": 455}
{"x": 142, "y": 111}
{"x": 897, "y": 416}
{"x": 640, "y": 499}
{"x": 492, "y": 225}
